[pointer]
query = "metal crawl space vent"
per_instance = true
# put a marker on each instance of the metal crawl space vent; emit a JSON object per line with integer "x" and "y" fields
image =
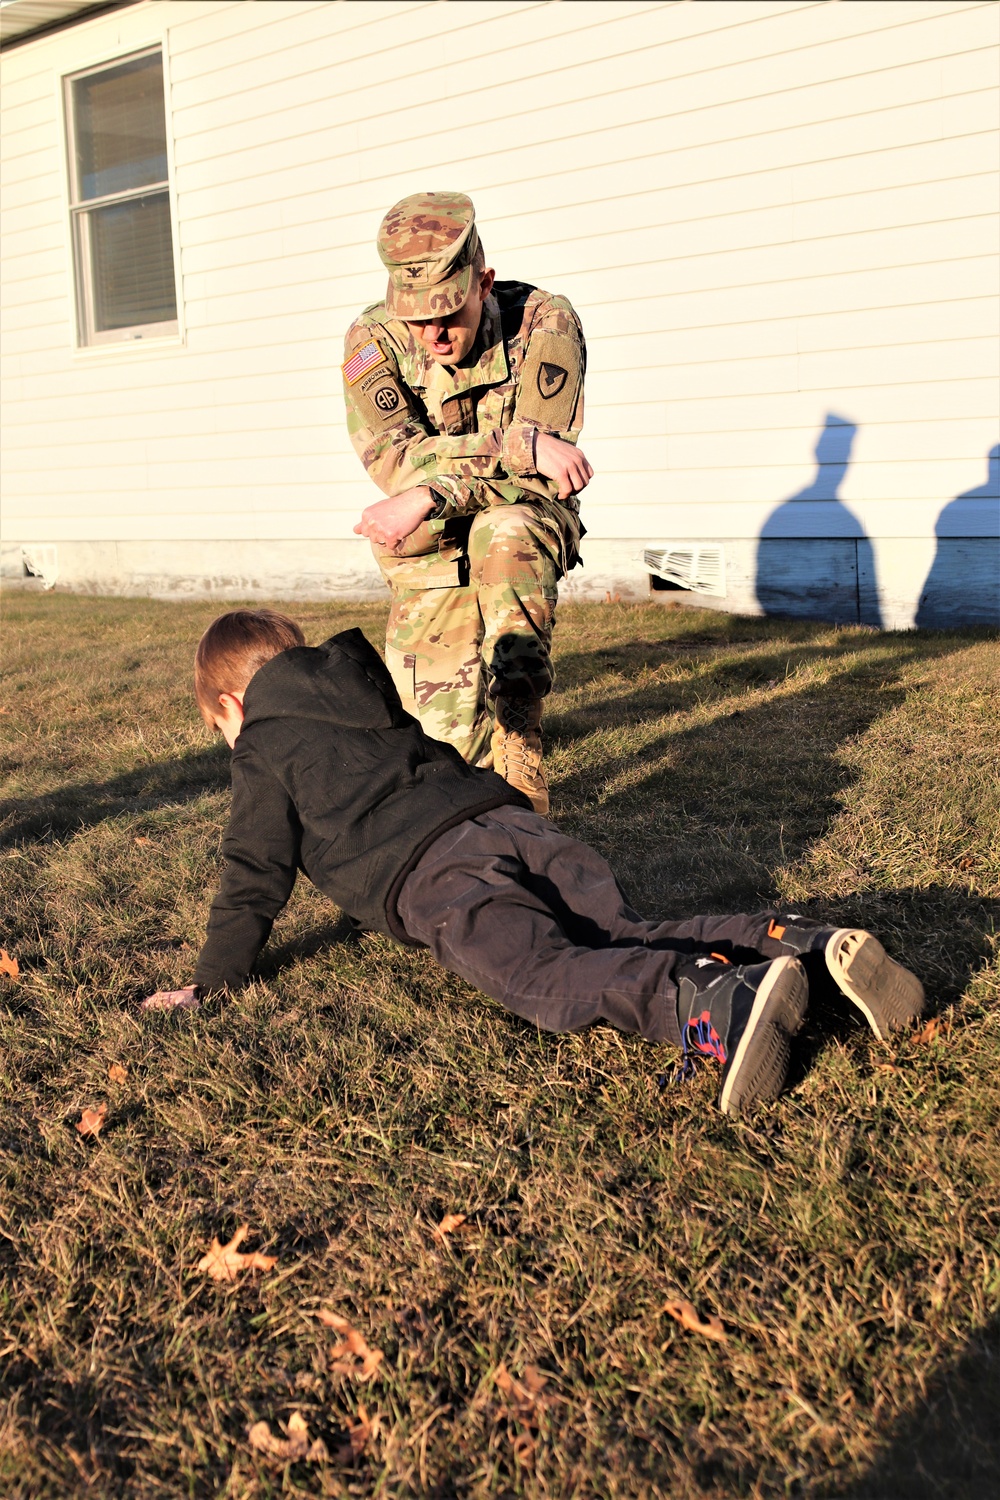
{"x": 689, "y": 565}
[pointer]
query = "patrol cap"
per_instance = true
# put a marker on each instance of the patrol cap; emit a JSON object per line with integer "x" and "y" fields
{"x": 427, "y": 243}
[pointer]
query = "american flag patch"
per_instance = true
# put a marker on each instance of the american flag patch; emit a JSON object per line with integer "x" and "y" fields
{"x": 365, "y": 359}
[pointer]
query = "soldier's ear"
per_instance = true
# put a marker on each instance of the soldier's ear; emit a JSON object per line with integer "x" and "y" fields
{"x": 486, "y": 281}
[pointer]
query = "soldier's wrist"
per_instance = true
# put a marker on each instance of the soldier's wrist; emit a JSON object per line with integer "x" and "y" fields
{"x": 439, "y": 507}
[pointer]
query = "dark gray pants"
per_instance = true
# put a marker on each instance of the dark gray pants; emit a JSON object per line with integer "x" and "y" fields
{"x": 538, "y": 921}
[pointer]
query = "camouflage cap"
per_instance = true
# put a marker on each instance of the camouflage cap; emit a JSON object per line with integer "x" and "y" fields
{"x": 427, "y": 243}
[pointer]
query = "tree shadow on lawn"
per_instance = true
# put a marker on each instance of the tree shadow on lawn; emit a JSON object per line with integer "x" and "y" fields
{"x": 72, "y": 808}
{"x": 949, "y": 1443}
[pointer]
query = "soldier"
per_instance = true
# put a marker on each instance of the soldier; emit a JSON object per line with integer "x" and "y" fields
{"x": 464, "y": 402}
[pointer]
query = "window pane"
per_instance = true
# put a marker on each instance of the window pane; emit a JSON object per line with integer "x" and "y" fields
{"x": 132, "y": 263}
{"x": 120, "y": 128}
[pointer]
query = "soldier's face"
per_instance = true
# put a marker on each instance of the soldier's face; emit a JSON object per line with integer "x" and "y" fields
{"x": 449, "y": 339}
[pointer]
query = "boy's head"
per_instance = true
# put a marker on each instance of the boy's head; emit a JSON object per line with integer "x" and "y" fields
{"x": 233, "y": 648}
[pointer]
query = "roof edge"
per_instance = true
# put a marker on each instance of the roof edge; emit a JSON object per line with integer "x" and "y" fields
{"x": 13, "y": 34}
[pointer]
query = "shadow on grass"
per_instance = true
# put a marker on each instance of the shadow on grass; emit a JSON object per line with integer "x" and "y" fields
{"x": 80, "y": 806}
{"x": 307, "y": 945}
{"x": 767, "y": 779}
{"x": 948, "y": 1446}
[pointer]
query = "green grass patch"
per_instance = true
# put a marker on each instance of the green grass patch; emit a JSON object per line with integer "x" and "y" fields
{"x": 848, "y": 1236}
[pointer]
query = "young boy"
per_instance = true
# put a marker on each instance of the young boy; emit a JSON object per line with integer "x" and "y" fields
{"x": 332, "y": 776}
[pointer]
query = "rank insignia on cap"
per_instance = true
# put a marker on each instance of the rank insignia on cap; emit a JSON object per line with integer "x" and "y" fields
{"x": 363, "y": 360}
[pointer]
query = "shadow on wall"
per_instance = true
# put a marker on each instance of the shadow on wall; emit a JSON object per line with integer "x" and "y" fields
{"x": 963, "y": 585}
{"x": 814, "y": 560}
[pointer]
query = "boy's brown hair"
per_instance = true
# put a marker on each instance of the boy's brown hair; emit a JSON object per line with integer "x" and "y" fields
{"x": 233, "y": 648}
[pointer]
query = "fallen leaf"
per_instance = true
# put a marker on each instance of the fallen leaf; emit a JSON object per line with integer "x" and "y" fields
{"x": 8, "y": 965}
{"x": 886, "y": 1068}
{"x": 932, "y": 1030}
{"x": 523, "y": 1449}
{"x": 525, "y": 1395}
{"x": 358, "y": 1435}
{"x": 353, "y": 1355}
{"x": 449, "y": 1224}
{"x": 686, "y": 1316}
{"x": 116, "y": 1073}
{"x": 288, "y": 1449}
{"x": 141, "y": 840}
{"x": 91, "y": 1120}
{"x": 968, "y": 863}
{"x": 225, "y": 1262}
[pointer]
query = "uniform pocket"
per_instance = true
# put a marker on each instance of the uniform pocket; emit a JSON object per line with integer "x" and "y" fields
{"x": 403, "y": 671}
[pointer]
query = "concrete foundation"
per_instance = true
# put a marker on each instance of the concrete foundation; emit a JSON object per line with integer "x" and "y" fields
{"x": 892, "y": 583}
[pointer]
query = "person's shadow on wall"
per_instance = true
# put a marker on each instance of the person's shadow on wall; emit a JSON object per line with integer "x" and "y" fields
{"x": 964, "y": 578}
{"x": 814, "y": 560}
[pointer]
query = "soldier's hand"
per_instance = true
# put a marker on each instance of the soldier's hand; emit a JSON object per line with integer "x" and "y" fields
{"x": 389, "y": 522}
{"x": 564, "y": 462}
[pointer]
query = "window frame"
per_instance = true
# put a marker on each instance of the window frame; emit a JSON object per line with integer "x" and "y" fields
{"x": 80, "y": 211}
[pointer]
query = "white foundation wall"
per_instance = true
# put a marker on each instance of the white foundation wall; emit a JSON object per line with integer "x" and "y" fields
{"x": 777, "y": 221}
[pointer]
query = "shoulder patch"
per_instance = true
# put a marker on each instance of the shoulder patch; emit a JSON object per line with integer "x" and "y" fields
{"x": 551, "y": 380}
{"x": 363, "y": 360}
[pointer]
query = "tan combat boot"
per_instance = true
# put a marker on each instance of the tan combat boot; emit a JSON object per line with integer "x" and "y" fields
{"x": 517, "y": 748}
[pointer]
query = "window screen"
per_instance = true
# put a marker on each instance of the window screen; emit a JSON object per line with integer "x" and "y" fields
{"x": 120, "y": 202}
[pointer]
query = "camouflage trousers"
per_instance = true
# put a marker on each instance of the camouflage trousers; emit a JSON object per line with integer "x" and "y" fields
{"x": 472, "y": 620}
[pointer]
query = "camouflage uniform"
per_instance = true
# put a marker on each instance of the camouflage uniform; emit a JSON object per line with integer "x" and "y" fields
{"x": 473, "y": 598}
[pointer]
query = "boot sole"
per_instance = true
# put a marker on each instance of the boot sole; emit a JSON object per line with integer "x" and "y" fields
{"x": 888, "y": 996}
{"x": 759, "y": 1065}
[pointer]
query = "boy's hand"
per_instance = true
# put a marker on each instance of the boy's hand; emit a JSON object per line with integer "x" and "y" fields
{"x": 185, "y": 999}
{"x": 389, "y": 522}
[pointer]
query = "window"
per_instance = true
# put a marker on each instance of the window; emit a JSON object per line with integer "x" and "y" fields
{"x": 120, "y": 202}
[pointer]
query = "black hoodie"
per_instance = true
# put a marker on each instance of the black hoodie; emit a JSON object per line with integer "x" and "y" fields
{"x": 331, "y": 775}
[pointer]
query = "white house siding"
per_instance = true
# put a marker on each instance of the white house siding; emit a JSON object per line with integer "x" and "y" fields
{"x": 766, "y": 213}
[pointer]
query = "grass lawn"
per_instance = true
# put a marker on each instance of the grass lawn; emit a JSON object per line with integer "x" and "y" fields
{"x": 848, "y": 1237}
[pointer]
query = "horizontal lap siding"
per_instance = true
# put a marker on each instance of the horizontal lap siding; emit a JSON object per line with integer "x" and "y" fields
{"x": 765, "y": 213}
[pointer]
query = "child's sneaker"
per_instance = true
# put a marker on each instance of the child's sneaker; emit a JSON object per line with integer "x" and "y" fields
{"x": 888, "y": 996}
{"x": 742, "y": 1016}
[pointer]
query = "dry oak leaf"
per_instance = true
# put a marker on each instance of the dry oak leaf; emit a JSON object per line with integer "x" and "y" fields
{"x": 8, "y": 965}
{"x": 686, "y": 1316}
{"x": 225, "y": 1262}
{"x": 932, "y": 1029}
{"x": 525, "y": 1395}
{"x": 295, "y": 1446}
{"x": 91, "y": 1120}
{"x": 449, "y": 1224}
{"x": 352, "y": 1356}
{"x": 116, "y": 1073}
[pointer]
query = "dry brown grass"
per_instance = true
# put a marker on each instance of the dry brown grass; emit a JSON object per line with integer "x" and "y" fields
{"x": 848, "y": 1236}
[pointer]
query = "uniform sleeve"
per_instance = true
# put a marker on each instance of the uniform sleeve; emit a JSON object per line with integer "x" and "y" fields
{"x": 391, "y": 436}
{"x": 261, "y": 851}
{"x": 550, "y": 388}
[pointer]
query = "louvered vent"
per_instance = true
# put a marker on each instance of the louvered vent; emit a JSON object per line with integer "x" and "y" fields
{"x": 689, "y": 565}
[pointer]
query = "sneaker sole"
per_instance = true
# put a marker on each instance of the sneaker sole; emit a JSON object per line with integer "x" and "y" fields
{"x": 760, "y": 1063}
{"x": 888, "y": 996}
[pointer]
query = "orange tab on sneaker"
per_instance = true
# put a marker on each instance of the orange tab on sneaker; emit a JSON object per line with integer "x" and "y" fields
{"x": 774, "y": 930}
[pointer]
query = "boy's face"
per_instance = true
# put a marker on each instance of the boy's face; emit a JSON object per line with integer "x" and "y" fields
{"x": 228, "y": 719}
